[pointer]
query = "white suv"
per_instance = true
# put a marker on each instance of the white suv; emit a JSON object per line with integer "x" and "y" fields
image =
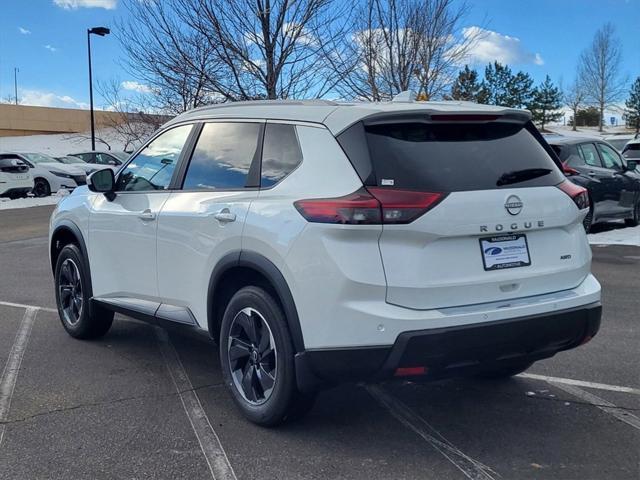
{"x": 319, "y": 242}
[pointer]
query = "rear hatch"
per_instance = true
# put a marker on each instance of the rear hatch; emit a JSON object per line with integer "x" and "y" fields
{"x": 494, "y": 217}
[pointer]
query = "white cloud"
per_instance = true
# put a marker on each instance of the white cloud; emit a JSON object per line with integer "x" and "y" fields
{"x": 49, "y": 99}
{"x": 50, "y": 48}
{"x": 24, "y": 31}
{"x": 136, "y": 86}
{"x": 489, "y": 46}
{"x": 75, "y": 4}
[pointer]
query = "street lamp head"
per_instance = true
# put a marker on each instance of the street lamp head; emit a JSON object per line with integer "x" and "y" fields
{"x": 102, "y": 31}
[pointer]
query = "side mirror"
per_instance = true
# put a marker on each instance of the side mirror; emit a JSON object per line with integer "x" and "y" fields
{"x": 102, "y": 181}
{"x": 632, "y": 165}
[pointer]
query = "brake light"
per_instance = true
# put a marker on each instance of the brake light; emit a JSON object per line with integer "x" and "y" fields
{"x": 464, "y": 118}
{"x": 578, "y": 194}
{"x": 372, "y": 206}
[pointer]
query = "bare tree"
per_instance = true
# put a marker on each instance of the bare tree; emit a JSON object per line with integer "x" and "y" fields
{"x": 600, "y": 70}
{"x": 442, "y": 49}
{"x": 574, "y": 98}
{"x": 401, "y": 45}
{"x": 131, "y": 119}
{"x": 267, "y": 48}
{"x": 169, "y": 56}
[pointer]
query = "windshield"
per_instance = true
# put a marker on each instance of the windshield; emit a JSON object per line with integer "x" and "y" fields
{"x": 39, "y": 158}
{"x": 70, "y": 160}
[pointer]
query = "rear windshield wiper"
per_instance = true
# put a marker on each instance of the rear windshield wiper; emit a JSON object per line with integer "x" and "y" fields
{"x": 518, "y": 176}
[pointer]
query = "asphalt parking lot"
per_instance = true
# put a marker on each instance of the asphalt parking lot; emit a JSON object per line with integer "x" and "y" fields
{"x": 123, "y": 406}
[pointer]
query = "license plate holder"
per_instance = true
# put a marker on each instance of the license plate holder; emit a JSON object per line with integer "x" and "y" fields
{"x": 500, "y": 252}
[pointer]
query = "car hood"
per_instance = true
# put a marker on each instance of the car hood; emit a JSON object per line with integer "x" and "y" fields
{"x": 62, "y": 168}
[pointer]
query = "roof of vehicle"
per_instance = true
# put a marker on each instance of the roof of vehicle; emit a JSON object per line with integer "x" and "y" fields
{"x": 337, "y": 116}
{"x": 562, "y": 140}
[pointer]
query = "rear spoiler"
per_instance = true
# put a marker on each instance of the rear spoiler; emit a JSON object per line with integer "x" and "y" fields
{"x": 430, "y": 116}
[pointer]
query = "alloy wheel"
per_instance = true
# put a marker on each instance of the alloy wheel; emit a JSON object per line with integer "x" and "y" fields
{"x": 70, "y": 292}
{"x": 41, "y": 189}
{"x": 252, "y": 353}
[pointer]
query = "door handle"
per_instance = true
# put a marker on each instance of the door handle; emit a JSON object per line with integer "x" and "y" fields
{"x": 592, "y": 173}
{"x": 225, "y": 216}
{"x": 147, "y": 216}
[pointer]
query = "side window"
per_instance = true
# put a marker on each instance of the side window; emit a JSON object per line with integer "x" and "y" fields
{"x": 574, "y": 159}
{"x": 223, "y": 156}
{"x": 153, "y": 167}
{"x": 281, "y": 153}
{"x": 589, "y": 155}
{"x": 610, "y": 158}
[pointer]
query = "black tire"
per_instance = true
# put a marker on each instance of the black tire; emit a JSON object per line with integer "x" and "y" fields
{"x": 259, "y": 373}
{"x": 635, "y": 220}
{"x": 504, "y": 371}
{"x": 41, "y": 187}
{"x": 80, "y": 318}
{"x": 588, "y": 220}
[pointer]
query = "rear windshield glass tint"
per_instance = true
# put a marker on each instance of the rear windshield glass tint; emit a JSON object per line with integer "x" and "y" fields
{"x": 452, "y": 157}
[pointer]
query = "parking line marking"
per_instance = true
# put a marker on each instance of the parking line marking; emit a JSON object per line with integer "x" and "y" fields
{"x": 210, "y": 444}
{"x": 470, "y": 467}
{"x": 12, "y": 367}
{"x": 601, "y": 403}
{"x": 580, "y": 383}
{"x": 22, "y": 305}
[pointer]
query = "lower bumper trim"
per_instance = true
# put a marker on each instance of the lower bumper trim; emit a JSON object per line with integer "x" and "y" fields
{"x": 454, "y": 351}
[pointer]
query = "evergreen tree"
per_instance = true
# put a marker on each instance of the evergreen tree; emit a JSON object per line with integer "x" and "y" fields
{"x": 546, "y": 101}
{"x": 467, "y": 87}
{"x": 504, "y": 88}
{"x": 633, "y": 105}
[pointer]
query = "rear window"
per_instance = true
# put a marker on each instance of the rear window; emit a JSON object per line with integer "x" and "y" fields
{"x": 449, "y": 157}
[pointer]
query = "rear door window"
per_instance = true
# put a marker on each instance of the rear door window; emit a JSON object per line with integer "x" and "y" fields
{"x": 223, "y": 156}
{"x": 610, "y": 158}
{"x": 449, "y": 157}
{"x": 281, "y": 153}
{"x": 589, "y": 154}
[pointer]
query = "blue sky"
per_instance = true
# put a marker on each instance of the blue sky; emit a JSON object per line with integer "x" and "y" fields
{"x": 46, "y": 40}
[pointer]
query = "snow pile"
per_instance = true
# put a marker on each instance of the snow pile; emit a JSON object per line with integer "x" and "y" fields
{"x": 620, "y": 236}
{"x": 8, "y": 204}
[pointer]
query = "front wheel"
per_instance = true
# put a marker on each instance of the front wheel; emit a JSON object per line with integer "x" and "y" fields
{"x": 41, "y": 188}
{"x": 256, "y": 354}
{"x": 79, "y": 317}
{"x": 635, "y": 220}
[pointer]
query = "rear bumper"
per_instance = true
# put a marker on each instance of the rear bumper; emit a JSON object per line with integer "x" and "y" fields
{"x": 454, "y": 351}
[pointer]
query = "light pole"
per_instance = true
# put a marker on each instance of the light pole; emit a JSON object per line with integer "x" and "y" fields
{"x": 101, "y": 31}
{"x": 15, "y": 82}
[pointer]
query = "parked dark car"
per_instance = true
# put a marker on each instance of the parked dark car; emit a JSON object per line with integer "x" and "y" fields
{"x": 613, "y": 182}
{"x": 108, "y": 159}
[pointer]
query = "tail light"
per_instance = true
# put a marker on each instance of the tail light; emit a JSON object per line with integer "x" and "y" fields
{"x": 578, "y": 194}
{"x": 372, "y": 206}
{"x": 567, "y": 170}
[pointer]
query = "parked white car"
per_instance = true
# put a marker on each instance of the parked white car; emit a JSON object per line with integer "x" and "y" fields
{"x": 49, "y": 175}
{"x": 15, "y": 178}
{"x": 320, "y": 242}
{"x": 102, "y": 159}
{"x": 619, "y": 141}
{"x": 77, "y": 162}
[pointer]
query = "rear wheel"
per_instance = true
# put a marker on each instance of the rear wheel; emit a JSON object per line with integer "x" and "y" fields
{"x": 635, "y": 220}
{"x": 79, "y": 317}
{"x": 504, "y": 371}
{"x": 588, "y": 220}
{"x": 41, "y": 188}
{"x": 256, "y": 353}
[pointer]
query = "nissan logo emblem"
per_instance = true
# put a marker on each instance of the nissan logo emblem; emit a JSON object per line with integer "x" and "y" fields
{"x": 513, "y": 205}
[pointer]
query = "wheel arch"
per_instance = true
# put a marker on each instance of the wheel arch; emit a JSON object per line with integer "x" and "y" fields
{"x": 64, "y": 233}
{"x": 241, "y": 268}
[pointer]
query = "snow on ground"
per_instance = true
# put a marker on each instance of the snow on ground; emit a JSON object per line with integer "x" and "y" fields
{"x": 620, "y": 236}
{"x": 7, "y": 204}
{"x": 59, "y": 144}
